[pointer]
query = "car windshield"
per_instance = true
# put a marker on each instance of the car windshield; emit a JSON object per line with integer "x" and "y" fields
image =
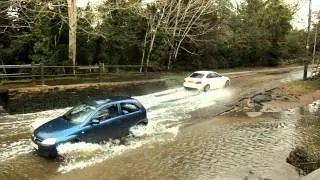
{"x": 196, "y": 75}
{"x": 79, "y": 113}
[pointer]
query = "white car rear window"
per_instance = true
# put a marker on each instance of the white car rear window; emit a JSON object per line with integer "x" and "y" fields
{"x": 196, "y": 75}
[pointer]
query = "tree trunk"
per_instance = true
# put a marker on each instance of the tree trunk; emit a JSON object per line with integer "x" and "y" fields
{"x": 144, "y": 51}
{"x": 169, "y": 62}
{"x": 72, "y": 14}
{"x": 154, "y": 32}
{"x": 305, "y": 69}
{"x": 4, "y": 70}
{"x": 174, "y": 35}
{"x": 149, "y": 52}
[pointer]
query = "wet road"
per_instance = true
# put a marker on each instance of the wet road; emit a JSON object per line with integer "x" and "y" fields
{"x": 181, "y": 142}
{"x": 226, "y": 147}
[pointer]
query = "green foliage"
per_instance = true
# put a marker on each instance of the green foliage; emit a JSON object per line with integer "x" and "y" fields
{"x": 295, "y": 44}
{"x": 257, "y": 32}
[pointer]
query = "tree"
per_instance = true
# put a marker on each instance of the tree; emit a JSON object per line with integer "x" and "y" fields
{"x": 177, "y": 20}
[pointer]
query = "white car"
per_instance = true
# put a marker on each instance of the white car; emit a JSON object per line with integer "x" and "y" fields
{"x": 205, "y": 80}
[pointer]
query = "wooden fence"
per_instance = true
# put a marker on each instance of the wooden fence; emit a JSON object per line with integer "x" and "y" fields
{"x": 41, "y": 71}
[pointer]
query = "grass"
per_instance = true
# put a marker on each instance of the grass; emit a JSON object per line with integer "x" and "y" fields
{"x": 4, "y": 82}
{"x": 301, "y": 87}
{"x": 179, "y": 77}
{"x": 304, "y": 160}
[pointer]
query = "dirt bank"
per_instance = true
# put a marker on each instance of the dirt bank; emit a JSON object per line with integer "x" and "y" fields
{"x": 281, "y": 97}
{"x": 283, "y": 102}
{"x": 292, "y": 95}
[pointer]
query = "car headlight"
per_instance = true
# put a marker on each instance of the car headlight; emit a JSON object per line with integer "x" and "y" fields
{"x": 49, "y": 141}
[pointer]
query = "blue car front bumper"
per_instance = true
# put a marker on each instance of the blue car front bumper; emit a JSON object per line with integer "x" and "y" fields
{"x": 46, "y": 151}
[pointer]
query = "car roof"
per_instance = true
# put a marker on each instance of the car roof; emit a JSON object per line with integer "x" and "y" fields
{"x": 100, "y": 102}
{"x": 204, "y": 72}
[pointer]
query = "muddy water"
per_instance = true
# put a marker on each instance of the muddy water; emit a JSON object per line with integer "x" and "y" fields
{"x": 167, "y": 112}
{"x": 181, "y": 142}
{"x": 232, "y": 146}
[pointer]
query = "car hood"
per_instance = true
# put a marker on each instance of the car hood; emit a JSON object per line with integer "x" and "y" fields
{"x": 55, "y": 128}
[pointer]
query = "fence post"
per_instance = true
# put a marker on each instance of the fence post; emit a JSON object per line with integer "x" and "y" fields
{"x": 106, "y": 69}
{"x": 75, "y": 72}
{"x": 145, "y": 69}
{"x": 117, "y": 70}
{"x": 32, "y": 72}
{"x": 100, "y": 71}
{"x": 42, "y": 73}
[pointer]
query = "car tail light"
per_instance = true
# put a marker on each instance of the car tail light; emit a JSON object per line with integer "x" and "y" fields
{"x": 198, "y": 82}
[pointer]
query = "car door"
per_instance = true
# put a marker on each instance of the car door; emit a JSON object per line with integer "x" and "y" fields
{"x": 213, "y": 81}
{"x": 130, "y": 115}
{"x": 108, "y": 125}
{"x": 220, "y": 80}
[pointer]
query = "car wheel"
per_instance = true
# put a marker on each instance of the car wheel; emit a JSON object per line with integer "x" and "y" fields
{"x": 142, "y": 123}
{"x": 227, "y": 84}
{"x": 206, "y": 88}
{"x": 137, "y": 126}
{"x": 53, "y": 155}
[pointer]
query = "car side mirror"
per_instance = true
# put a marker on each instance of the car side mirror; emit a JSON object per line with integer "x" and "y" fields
{"x": 94, "y": 122}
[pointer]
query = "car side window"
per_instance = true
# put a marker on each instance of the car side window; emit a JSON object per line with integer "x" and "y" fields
{"x": 128, "y": 108}
{"x": 107, "y": 113}
{"x": 211, "y": 75}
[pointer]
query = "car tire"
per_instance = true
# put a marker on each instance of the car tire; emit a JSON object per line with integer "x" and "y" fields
{"x": 141, "y": 123}
{"x": 227, "y": 84}
{"x": 53, "y": 155}
{"x": 206, "y": 88}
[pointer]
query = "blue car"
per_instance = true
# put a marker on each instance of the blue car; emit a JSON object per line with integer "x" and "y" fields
{"x": 92, "y": 121}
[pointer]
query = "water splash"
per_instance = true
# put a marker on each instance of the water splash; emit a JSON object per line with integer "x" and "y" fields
{"x": 165, "y": 119}
{"x": 166, "y": 112}
{"x": 9, "y": 151}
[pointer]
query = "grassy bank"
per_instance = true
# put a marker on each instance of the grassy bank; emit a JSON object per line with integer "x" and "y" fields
{"x": 302, "y": 87}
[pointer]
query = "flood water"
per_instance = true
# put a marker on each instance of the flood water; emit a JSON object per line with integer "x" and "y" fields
{"x": 232, "y": 146}
{"x": 167, "y": 112}
{"x": 181, "y": 141}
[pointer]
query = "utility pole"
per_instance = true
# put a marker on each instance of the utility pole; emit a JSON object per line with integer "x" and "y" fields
{"x": 305, "y": 69}
{"x": 314, "y": 44}
{"x": 72, "y": 15}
